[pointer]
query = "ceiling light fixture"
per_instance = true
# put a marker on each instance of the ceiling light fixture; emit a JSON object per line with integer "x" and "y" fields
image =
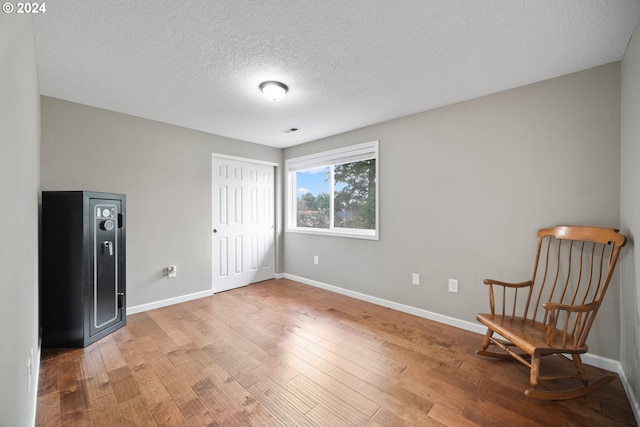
{"x": 274, "y": 91}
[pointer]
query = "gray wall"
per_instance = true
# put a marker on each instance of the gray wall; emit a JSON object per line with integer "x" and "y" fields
{"x": 630, "y": 215}
{"x": 161, "y": 168}
{"x": 19, "y": 185}
{"x": 464, "y": 188}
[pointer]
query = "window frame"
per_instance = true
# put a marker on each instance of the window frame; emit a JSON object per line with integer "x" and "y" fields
{"x": 357, "y": 152}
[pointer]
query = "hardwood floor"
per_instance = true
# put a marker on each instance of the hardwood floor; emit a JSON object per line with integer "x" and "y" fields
{"x": 282, "y": 353}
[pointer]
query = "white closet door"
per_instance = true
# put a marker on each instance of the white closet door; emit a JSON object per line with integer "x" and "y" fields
{"x": 243, "y": 223}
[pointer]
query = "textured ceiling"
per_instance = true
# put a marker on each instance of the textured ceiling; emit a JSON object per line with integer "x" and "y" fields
{"x": 348, "y": 64}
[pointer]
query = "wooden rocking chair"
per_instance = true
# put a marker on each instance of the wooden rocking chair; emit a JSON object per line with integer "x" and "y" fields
{"x": 557, "y": 307}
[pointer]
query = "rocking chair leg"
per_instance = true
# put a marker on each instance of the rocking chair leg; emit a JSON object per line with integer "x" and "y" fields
{"x": 487, "y": 339}
{"x": 566, "y": 394}
{"x": 580, "y": 368}
{"x": 486, "y": 343}
{"x": 535, "y": 371}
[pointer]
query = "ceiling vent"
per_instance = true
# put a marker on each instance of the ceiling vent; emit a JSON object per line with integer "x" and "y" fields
{"x": 289, "y": 130}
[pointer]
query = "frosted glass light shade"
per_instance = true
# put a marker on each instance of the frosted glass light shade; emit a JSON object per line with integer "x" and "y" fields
{"x": 274, "y": 91}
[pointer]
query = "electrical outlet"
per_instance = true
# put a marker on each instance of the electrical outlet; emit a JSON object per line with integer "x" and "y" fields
{"x": 415, "y": 279}
{"x": 316, "y": 260}
{"x": 172, "y": 271}
{"x": 453, "y": 285}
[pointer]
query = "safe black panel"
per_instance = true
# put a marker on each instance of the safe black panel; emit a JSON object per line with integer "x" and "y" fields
{"x": 83, "y": 266}
{"x": 104, "y": 266}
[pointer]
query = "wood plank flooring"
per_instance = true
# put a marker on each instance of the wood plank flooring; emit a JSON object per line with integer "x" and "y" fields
{"x": 280, "y": 353}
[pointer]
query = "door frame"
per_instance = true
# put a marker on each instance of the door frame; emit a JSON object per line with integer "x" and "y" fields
{"x": 277, "y": 205}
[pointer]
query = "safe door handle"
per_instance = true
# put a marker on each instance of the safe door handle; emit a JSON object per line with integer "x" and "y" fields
{"x": 108, "y": 245}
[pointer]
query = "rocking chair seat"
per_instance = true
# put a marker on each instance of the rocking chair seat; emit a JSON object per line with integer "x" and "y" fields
{"x": 528, "y": 335}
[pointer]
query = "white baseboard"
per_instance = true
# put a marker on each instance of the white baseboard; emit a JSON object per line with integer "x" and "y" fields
{"x": 602, "y": 362}
{"x": 34, "y": 392}
{"x": 169, "y": 301}
{"x": 589, "y": 359}
{"x": 441, "y": 318}
{"x": 633, "y": 399}
{"x": 176, "y": 300}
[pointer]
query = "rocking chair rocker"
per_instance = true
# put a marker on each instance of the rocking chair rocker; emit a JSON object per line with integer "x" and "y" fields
{"x": 571, "y": 274}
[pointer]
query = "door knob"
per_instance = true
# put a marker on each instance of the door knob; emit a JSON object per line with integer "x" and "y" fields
{"x": 215, "y": 230}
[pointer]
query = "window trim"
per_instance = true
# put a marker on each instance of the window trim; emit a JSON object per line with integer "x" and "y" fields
{"x": 348, "y": 154}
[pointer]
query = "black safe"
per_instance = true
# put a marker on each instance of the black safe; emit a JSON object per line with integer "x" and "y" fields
{"x": 83, "y": 280}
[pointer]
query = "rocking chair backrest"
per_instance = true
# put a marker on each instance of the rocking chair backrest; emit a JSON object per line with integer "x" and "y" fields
{"x": 573, "y": 267}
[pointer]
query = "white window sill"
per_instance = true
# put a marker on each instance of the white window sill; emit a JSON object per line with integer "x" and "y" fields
{"x": 348, "y": 233}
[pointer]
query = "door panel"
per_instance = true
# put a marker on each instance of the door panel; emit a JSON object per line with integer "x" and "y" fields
{"x": 104, "y": 232}
{"x": 243, "y": 223}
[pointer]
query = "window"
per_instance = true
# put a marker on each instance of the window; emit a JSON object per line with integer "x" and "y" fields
{"x": 335, "y": 192}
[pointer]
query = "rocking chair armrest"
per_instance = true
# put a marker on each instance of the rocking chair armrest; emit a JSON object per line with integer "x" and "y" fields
{"x": 573, "y": 332}
{"x": 549, "y": 305}
{"x": 501, "y": 301}
{"x": 507, "y": 284}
